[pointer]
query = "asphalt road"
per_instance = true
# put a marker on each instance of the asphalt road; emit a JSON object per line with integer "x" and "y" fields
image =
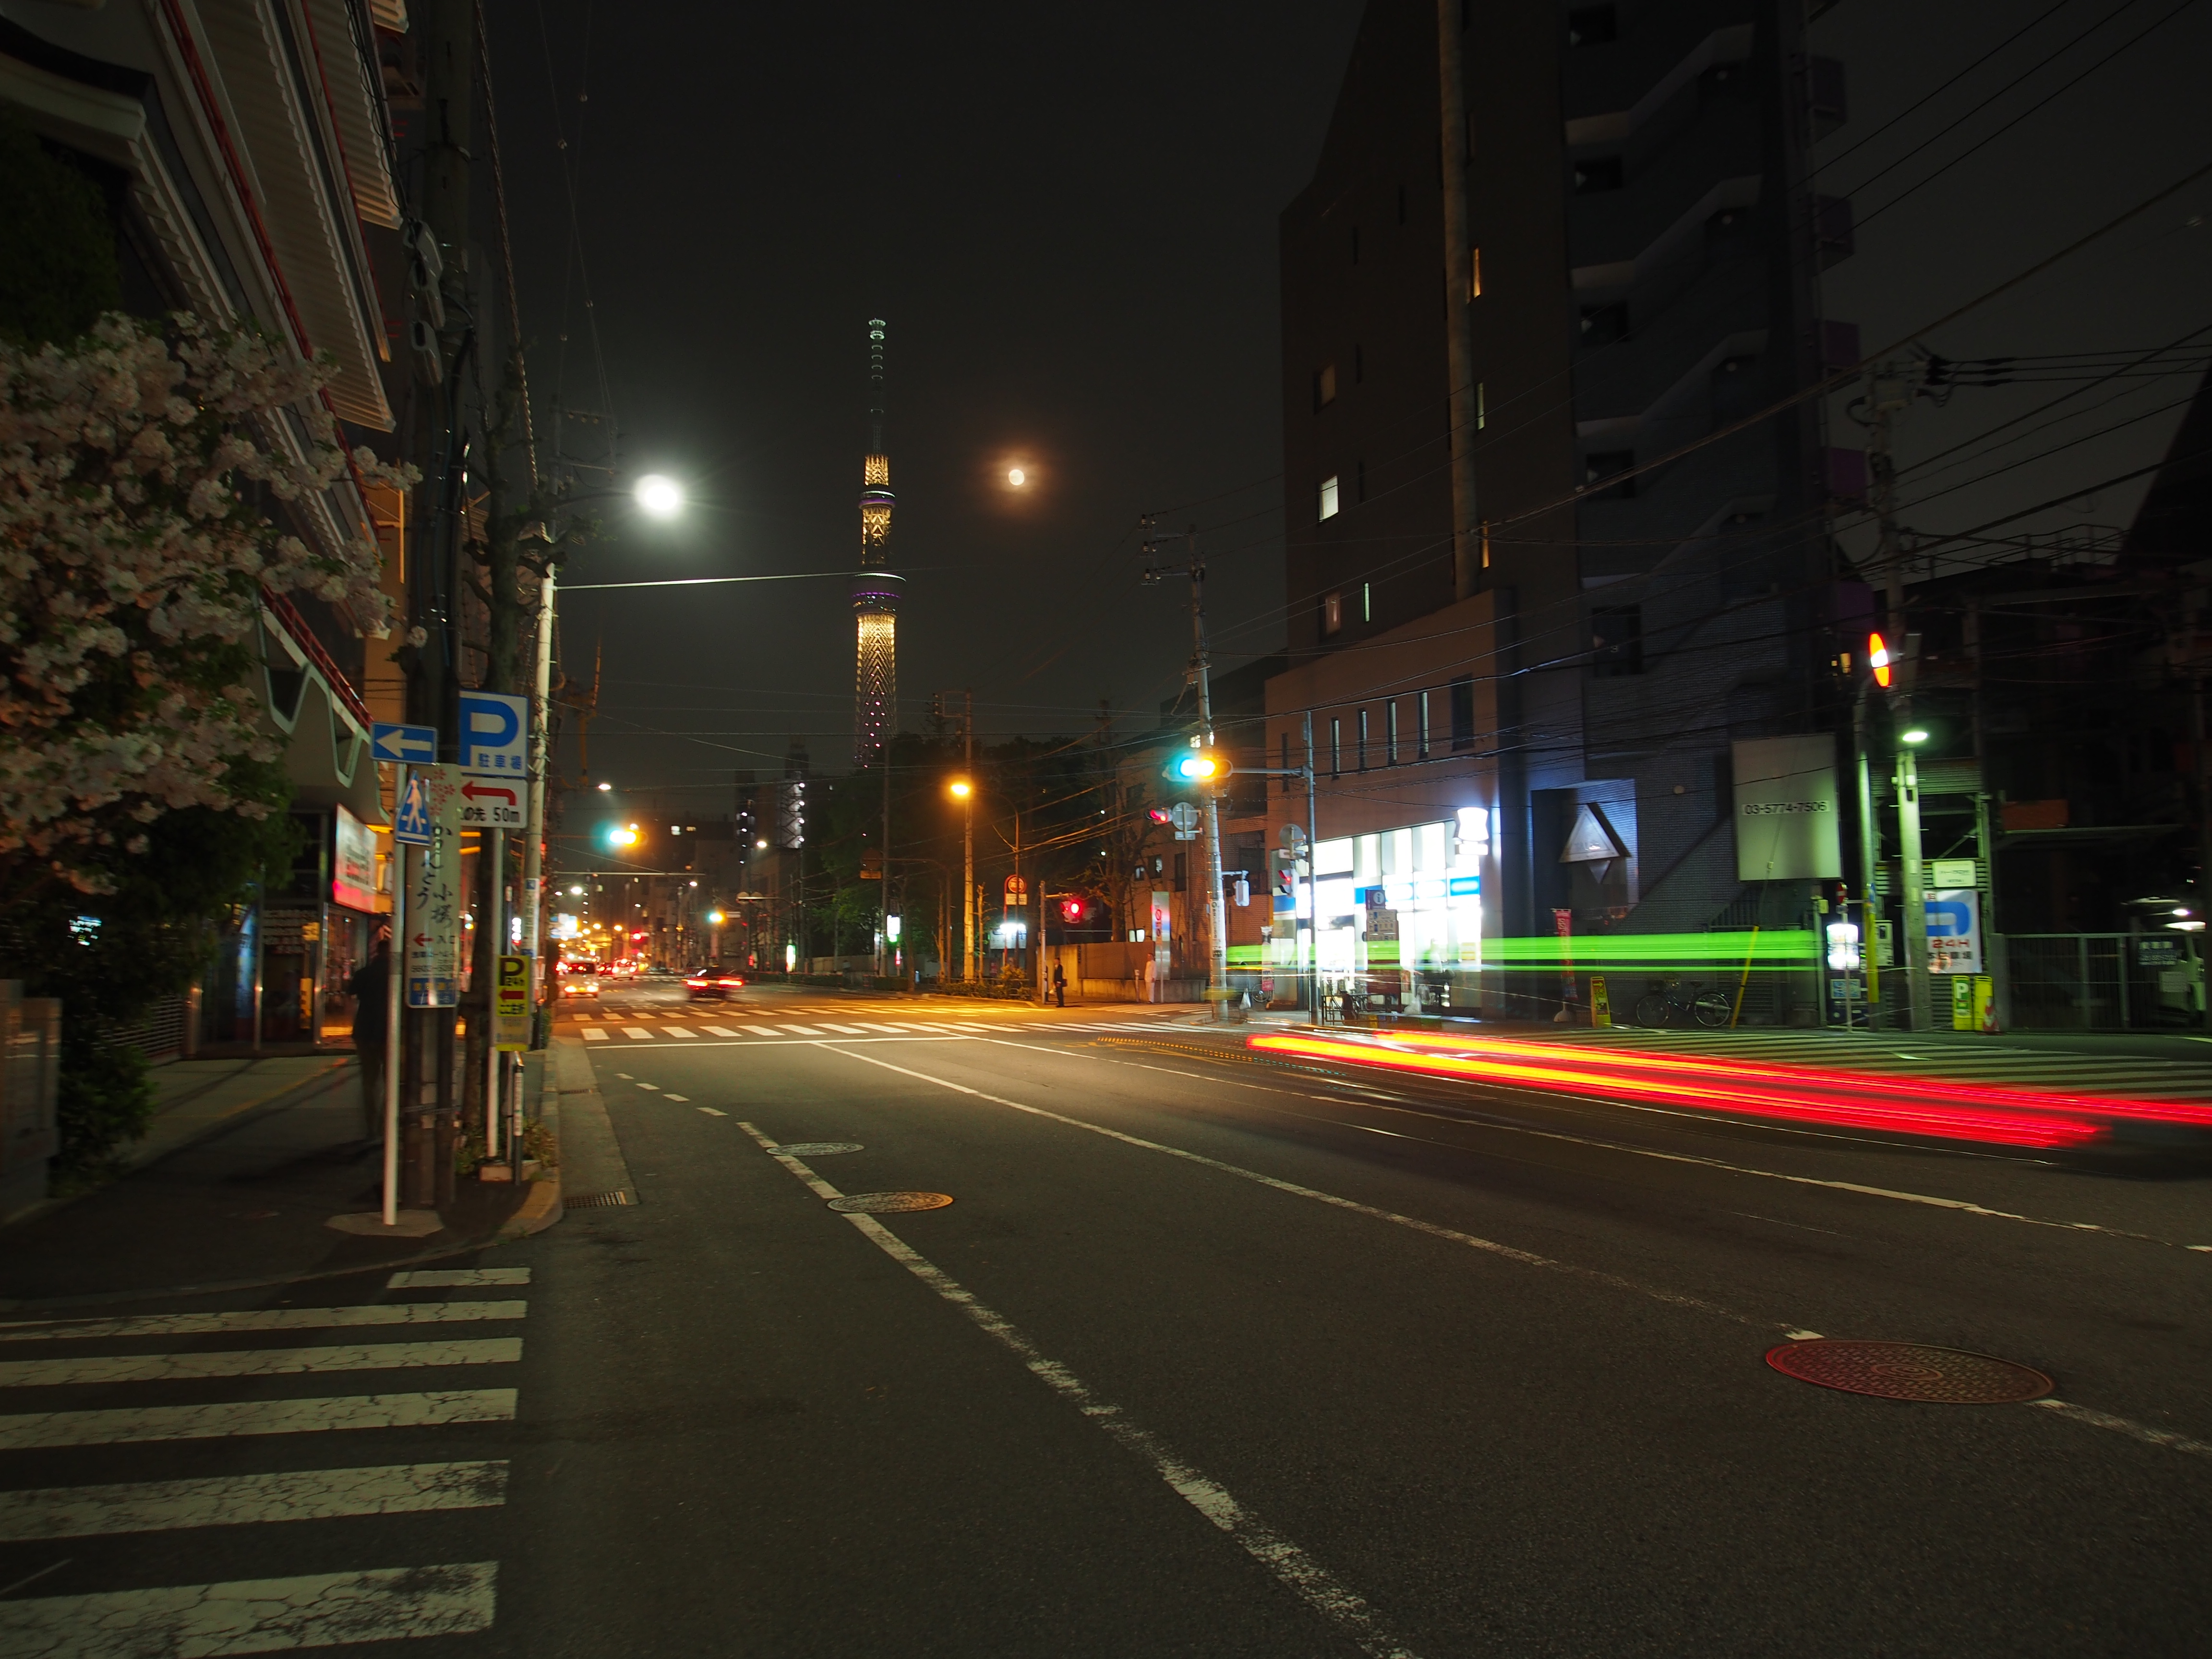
{"x": 1435, "y": 1369}
{"x": 1207, "y": 1355}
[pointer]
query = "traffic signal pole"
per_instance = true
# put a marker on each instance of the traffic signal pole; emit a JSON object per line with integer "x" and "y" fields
{"x": 1217, "y": 913}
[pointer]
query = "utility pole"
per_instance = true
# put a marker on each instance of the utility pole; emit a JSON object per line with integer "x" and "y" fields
{"x": 1461, "y": 283}
{"x": 1217, "y": 949}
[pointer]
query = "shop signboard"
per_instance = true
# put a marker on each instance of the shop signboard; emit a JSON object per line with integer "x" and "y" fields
{"x": 1954, "y": 930}
{"x": 353, "y": 864}
{"x": 1785, "y": 809}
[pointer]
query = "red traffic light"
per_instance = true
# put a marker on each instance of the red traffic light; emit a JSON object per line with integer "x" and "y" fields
{"x": 1070, "y": 909}
{"x": 1160, "y": 815}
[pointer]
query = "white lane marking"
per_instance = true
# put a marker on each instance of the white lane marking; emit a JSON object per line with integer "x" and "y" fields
{"x": 2134, "y": 1430}
{"x": 259, "y": 1362}
{"x": 675, "y": 1032}
{"x": 1292, "y": 1567}
{"x": 266, "y": 1319}
{"x": 1553, "y": 1099}
{"x": 709, "y": 1110}
{"x": 637, "y": 1034}
{"x": 256, "y": 1615}
{"x": 868, "y": 1026}
{"x": 248, "y": 1499}
{"x": 718, "y": 1030}
{"x": 686, "y": 1099}
{"x": 800, "y": 1031}
{"x": 593, "y": 1034}
{"x": 846, "y": 1030}
{"x": 429, "y": 1276}
{"x": 319, "y": 1415}
{"x": 655, "y": 1087}
{"x": 1452, "y": 1234}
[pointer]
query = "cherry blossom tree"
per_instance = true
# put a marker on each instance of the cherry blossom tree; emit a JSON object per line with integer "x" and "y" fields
{"x": 138, "y": 467}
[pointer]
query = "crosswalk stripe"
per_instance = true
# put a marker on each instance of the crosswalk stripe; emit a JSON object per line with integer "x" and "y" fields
{"x": 593, "y": 1034}
{"x": 800, "y": 1031}
{"x": 676, "y": 1032}
{"x": 247, "y": 1500}
{"x": 869, "y": 1026}
{"x": 427, "y": 1278}
{"x": 264, "y": 1319}
{"x": 848, "y": 1031}
{"x": 258, "y": 1362}
{"x": 638, "y": 1033}
{"x": 257, "y": 1615}
{"x": 719, "y": 1030}
{"x": 233, "y": 1418}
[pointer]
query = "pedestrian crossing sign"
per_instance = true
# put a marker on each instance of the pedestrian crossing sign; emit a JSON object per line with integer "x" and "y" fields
{"x": 411, "y": 824}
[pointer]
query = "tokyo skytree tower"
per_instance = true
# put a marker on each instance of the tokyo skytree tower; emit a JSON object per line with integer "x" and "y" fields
{"x": 875, "y": 589}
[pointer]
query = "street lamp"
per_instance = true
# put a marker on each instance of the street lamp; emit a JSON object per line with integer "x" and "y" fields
{"x": 661, "y": 497}
{"x": 1918, "y": 734}
{"x": 963, "y": 791}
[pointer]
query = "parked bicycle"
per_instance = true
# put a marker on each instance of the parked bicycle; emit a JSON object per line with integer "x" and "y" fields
{"x": 1673, "y": 1000}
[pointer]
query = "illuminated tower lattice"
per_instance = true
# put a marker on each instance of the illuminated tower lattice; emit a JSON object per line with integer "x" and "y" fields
{"x": 875, "y": 589}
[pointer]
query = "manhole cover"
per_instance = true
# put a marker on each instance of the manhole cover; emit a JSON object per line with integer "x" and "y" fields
{"x": 890, "y": 1203}
{"x": 1909, "y": 1370}
{"x": 819, "y": 1148}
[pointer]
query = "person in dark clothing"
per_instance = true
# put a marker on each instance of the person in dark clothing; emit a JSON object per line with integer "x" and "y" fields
{"x": 1059, "y": 983}
{"x": 371, "y": 990}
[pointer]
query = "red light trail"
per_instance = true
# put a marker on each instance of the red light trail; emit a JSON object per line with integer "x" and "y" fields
{"x": 1984, "y": 1113}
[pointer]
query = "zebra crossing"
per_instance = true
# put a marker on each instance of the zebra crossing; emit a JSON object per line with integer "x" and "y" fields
{"x": 1984, "y": 1061}
{"x": 204, "y": 1430}
{"x": 782, "y": 1023}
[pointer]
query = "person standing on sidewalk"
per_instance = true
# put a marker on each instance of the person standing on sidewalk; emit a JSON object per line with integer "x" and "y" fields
{"x": 371, "y": 987}
{"x": 1059, "y": 983}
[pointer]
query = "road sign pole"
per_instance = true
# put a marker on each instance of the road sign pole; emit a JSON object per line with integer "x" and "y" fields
{"x": 395, "y": 972}
{"x": 495, "y": 849}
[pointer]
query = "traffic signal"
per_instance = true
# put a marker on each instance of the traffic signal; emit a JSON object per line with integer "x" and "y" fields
{"x": 1070, "y": 910}
{"x": 1879, "y": 659}
{"x": 1160, "y": 815}
{"x": 1201, "y": 766}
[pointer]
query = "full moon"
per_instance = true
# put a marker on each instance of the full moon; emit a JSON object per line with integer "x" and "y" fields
{"x": 1017, "y": 477}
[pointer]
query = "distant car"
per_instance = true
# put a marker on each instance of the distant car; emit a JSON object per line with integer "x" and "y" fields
{"x": 711, "y": 982}
{"x": 580, "y": 979}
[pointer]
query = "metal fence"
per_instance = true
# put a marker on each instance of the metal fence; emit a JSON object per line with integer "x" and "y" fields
{"x": 2103, "y": 981}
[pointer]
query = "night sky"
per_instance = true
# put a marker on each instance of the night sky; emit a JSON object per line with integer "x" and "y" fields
{"x": 1068, "y": 217}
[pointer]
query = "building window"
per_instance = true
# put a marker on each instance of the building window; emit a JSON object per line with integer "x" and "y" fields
{"x": 1324, "y": 386}
{"x": 1335, "y": 747}
{"x": 1424, "y": 718}
{"x": 1592, "y": 25}
{"x": 1391, "y": 732}
{"x": 1363, "y": 739}
{"x": 1474, "y": 273}
{"x": 1359, "y": 488}
{"x": 1366, "y": 602}
{"x": 1328, "y": 507}
{"x": 1463, "y": 712}
{"x": 1603, "y": 324}
{"x": 1617, "y": 640}
{"x": 1603, "y": 464}
{"x": 1332, "y": 612}
{"x": 1594, "y": 173}
{"x": 1481, "y": 404}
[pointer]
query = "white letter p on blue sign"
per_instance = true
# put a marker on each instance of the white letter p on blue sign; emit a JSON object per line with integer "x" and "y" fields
{"x": 494, "y": 733}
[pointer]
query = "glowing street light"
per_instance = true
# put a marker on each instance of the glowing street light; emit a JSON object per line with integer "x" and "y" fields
{"x": 1917, "y": 734}
{"x": 661, "y": 497}
{"x": 604, "y": 787}
{"x": 960, "y": 788}
{"x": 1017, "y": 477}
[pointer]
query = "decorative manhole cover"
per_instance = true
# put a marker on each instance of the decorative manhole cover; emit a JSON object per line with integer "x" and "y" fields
{"x": 890, "y": 1203}
{"x": 1909, "y": 1370}
{"x": 819, "y": 1148}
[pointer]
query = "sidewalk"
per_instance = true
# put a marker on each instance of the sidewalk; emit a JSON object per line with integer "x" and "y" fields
{"x": 236, "y": 1183}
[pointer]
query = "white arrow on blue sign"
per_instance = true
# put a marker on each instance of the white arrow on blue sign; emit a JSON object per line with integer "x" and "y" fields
{"x": 412, "y": 745}
{"x": 411, "y": 824}
{"x": 495, "y": 733}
